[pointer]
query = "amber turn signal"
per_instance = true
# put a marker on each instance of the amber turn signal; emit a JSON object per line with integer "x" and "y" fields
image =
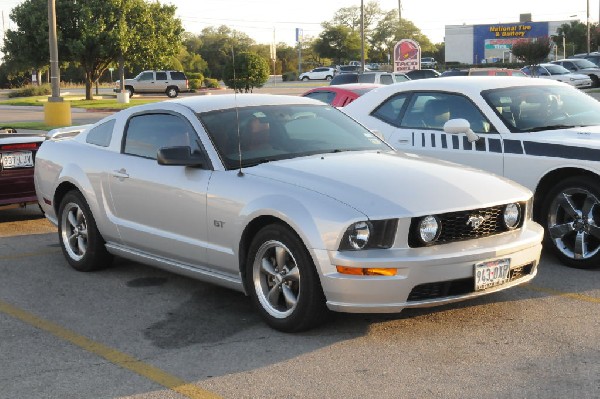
{"x": 359, "y": 271}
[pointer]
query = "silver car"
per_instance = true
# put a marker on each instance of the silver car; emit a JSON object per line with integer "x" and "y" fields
{"x": 288, "y": 200}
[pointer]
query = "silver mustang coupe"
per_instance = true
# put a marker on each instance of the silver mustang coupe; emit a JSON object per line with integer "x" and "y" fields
{"x": 288, "y": 200}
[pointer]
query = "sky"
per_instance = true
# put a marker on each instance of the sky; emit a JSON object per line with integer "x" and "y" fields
{"x": 276, "y": 20}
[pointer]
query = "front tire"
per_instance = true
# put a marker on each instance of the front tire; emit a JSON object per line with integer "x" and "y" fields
{"x": 283, "y": 282}
{"x": 304, "y": 78}
{"x": 80, "y": 240}
{"x": 129, "y": 91}
{"x": 571, "y": 217}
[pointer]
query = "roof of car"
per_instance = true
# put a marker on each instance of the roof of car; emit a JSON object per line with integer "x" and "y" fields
{"x": 227, "y": 101}
{"x": 348, "y": 87}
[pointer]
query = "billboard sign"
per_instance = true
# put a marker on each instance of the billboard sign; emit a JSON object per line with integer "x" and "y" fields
{"x": 407, "y": 56}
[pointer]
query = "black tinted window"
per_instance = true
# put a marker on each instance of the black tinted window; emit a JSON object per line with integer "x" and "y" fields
{"x": 325, "y": 96}
{"x": 147, "y": 76}
{"x": 161, "y": 76}
{"x": 344, "y": 78}
{"x": 390, "y": 110}
{"x": 101, "y": 134}
{"x": 178, "y": 76}
{"x": 145, "y": 134}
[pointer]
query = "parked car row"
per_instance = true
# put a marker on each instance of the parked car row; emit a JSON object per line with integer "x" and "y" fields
{"x": 290, "y": 200}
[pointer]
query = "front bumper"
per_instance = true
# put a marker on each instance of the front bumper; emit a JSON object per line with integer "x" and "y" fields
{"x": 425, "y": 276}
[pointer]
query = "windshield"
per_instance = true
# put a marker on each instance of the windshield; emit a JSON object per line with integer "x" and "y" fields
{"x": 535, "y": 108}
{"x": 584, "y": 63}
{"x": 270, "y": 133}
{"x": 556, "y": 69}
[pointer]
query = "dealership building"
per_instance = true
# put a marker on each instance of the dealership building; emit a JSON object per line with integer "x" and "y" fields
{"x": 480, "y": 44}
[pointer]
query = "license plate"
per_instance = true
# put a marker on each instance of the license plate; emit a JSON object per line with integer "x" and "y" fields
{"x": 21, "y": 159}
{"x": 492, "y": 273}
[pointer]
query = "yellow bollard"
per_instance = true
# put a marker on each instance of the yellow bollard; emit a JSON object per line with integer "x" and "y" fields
{"x": 57, "y": 113}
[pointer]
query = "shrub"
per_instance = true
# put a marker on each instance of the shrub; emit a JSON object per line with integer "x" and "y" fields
{"x": 211, "y": 83}
{"x": 195, "y": 75}
{"x": 289, "y": 76}
{"x": 195, "y": 84}
{"x": 30, "y": 91}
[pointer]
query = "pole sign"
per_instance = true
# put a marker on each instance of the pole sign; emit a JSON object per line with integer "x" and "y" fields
{"x": 407, "y": 55}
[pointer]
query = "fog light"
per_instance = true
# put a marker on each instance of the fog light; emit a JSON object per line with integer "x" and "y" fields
{"x": 429, "y": 229}
{"x": 512, "y": 216}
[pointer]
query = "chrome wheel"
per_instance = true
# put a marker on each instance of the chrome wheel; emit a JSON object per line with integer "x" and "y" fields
{"x": 74, "y": 231}
{"x": 276, "y": 279}
{"x": 572, "y": 223}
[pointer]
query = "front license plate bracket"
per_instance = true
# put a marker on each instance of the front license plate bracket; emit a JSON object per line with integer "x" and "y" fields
{"x": 491, "y": 273}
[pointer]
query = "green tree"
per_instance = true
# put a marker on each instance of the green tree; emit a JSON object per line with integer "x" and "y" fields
{"x": 251, "y": 70}
{"x": 575, "y": 34}
{"x": 339, "y": 43}
{"x": 95, "y": 34}
{"x": 218, "y": 46}
{"x": 532, "y": 51}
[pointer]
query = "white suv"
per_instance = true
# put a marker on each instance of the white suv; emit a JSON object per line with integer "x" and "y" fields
{"x": 321, "y": 73}
{"x": 168, "y": 82}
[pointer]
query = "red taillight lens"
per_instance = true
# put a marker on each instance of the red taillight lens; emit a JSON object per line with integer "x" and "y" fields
{"x": 20, "y": 146}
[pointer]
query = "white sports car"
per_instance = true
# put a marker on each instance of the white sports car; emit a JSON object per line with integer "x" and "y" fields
{"x": 288, "y": 200}
{"x": 540, "y": 133}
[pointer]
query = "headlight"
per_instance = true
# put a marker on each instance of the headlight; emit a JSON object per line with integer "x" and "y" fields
{"x": 511, "y": 216}
{"x": 358, "y": 235}
{"x": 369, "y": 234}
{"x": 429, "y": 229}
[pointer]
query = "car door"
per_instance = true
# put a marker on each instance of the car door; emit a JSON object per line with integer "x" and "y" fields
{"x": 145, "y": 82}
{"x": 414, "y": 121}
{"x": 160, "y": 210}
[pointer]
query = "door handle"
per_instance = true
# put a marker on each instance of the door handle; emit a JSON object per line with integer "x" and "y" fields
{"x": 120, "y": 174}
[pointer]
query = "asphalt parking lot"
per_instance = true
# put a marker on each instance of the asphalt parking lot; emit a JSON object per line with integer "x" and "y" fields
{"x": 136, "y": 332}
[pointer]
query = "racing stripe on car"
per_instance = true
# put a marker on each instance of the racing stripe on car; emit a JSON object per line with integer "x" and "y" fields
{"x": 561, "y": 151}
{"x": 513, "y": 147}
{"x": 494, "y": 145}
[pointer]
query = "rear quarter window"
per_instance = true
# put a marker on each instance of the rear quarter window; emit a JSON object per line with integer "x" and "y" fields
{"x": 101, "y": 135}
{"x": 178, "y": 76}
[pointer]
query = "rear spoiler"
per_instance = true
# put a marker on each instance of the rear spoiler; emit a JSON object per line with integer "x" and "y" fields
{"x": 66, "y": 132}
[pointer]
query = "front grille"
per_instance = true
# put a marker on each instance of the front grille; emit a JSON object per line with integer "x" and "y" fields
{"x": 455, "y": 226}
{"x": 463, "y": 286}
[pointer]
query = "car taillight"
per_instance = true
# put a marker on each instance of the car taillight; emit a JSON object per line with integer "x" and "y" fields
{"x": 20, "y": 146}
{"x": 186, "y": 84}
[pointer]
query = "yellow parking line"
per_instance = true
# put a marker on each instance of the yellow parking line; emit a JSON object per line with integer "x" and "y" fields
{"x": 112, "y": 355}
{"x": 551, "y": 291}
{"x": 30, "y": 254}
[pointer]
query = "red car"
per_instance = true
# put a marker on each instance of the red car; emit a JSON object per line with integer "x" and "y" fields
{"x": 17, "y": 158}
{"x": 340, "y": 95}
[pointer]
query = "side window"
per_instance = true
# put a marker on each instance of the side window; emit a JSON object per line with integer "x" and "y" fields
{"x": 386, "y": 79}
{"x": 366, "y": 78}
{"x": 501, "y": 73}
{"x": 569, "y": 65}
{"x": 101, "y": 134}
{"x": 145, "y": 134}
{"x": 433, "y": 110}
{"x": 161, "y": 76}
{"x": 175, "y": 75}
{"x": 389, "y": 110}
{"x": 146, "y": 76}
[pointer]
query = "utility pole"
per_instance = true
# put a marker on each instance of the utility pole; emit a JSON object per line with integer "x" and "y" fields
{"x": 362, "y": 35}
{"x": 588, "y": 26}
{"x": 400, "y": 11}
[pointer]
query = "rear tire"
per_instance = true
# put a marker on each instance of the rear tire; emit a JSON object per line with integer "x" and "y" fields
{"x": 328, "y": 77}
{"x": 80, "y": 240}
{"x": 283, "y": 282}
{"x": 571, "y": 217}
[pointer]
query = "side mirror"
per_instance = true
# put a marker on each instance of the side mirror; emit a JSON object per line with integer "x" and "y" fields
{"x": 179, "y": 156}
{"x": 458, "y": 126}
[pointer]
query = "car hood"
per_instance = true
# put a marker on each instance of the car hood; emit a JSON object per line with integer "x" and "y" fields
{"x": 588, "y": 137}
{"x": 383, "y": 185}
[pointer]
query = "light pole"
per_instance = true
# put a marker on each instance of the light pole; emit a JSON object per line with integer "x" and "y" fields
{"x": 362, "y": 35}
{"x": 56, "y": 111}
{"x": 588, "y": 26}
